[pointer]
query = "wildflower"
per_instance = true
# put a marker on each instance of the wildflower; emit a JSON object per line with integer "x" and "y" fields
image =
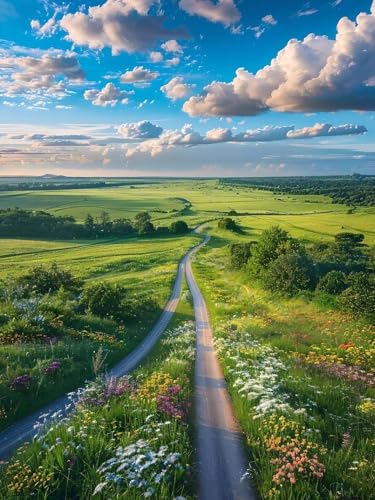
{"x": 21, "y": 382}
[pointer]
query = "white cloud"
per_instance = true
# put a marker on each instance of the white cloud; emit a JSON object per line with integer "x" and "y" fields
{"x": 47, "y": 29}
{"x": 315, "y": 74}
{"x": 172, "y": 46}
{"x": 122, "y": 25}
{"x": 176, "y": 88}
{"x": 187, "y": 137}
{"x": 325, "y": 130}
{"x": 175, "y": 61}
{"x": 306, "y": 12}
{"x": 110, "y": 95}
{"x": 223, "y": 11}
{"x": 156, "y": 56}
{"x": 139, "y": 74}
{"x": 36, "y": 77}
{"x": 269, "y": 19}
{"x": 140, "y": 130}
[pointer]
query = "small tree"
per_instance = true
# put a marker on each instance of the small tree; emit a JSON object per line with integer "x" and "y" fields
{"x": 104, "y": 299}
{"x": 43, "y": 280}
{"x": 333, "y": 282}
{"x": 239, "y": 254}
{"x": 227, "y": 224}
{"x": 359, "y": 297}
{"x": 290, "y": 273}
{"x": 179, "y": 227}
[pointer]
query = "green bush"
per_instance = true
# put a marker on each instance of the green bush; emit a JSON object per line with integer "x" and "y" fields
{"x": 359, "y": 297}
{"x": 42, "y": 280}
{"x": 179, "y": 227}
{"x": 333, "y": 282}
{"x": 227, "y": 224}
{"x": 240, "y": 253}
{"x": 290, "y": 273}
{"x": 104, "y": 299}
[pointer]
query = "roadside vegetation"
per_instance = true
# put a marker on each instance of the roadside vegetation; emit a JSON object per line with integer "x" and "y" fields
{"x": 293, "y": 329}
{"x": 39, "y": 224}
{"x": 126, "y": 438}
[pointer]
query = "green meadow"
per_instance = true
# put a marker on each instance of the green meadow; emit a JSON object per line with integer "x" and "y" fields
{"x": 327, "y": 415}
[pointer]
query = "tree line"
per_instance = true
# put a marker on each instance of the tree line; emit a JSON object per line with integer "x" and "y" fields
{"x": 25, "y": 223}
{"x": 341, "y": 269}
{"x": 355, "y": 190}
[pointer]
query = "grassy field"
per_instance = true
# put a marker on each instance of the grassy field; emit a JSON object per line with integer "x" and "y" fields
{"x": 301, "y": 377}
{"x": 251, "y": 325}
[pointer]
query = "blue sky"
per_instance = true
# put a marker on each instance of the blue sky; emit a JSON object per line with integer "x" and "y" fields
{"x": 187, "y": 87}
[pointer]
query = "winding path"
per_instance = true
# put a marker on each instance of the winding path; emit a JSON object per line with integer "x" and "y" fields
{"x": 221, "y": 457}
{"x": 23, "y": 430}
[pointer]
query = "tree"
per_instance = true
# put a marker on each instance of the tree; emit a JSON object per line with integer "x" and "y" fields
{"x": 43, "y": 280}
{"x": 359, "y": 297}
{"x": 333, "y": 282}
{"x": 179, "y": 227}
{"x": 143, "y": 224}
{"x": 290, "y": 273}
{"x": 89, "y": 224}
{"x": 239, "y": 254}
{"x": 104, "y": 299}
{"x": 227, "y": 224}
{"x": 272, "y": 243}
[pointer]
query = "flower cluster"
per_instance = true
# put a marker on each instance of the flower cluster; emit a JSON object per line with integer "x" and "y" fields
{"x": 157, "y": 384}
{"x": 24, "y": 480}
{"x": 139, "y": 467}
{"x": 367, "y": 407}
{"x": 53, "y": 368}
{"x": 169, "y": 403}
{"x": 256, "y": 371}
{"x": 21, "y": 382}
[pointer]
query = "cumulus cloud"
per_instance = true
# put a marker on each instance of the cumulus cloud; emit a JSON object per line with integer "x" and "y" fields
{"x": 315, "y": 74}
{"x": 269, "y": 19}
{"x": 172, "y": 46}
{"x": 187, "y": 137}
{"x": 139, "y": 74}
{"x": 325, "y": 130}
{"x": 140, "y": 130}
{"x": 36, "y": 76}
{"x": 223, "y": 11}
{"x": 110, "y": 95}
{"x": 176, "y": 88}
{"x": 122, "y": 25}
{"x": 156, "y": 56}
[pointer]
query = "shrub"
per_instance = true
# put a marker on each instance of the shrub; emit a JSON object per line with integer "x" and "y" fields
{"x": 228, "y": 224}
{"x": 179, "y": 227}
{"x": 290, "y": 273}
{"x": 333, "y": 282}
{"x": 239, "y": 254}
{"x": 104, "y": 299}
{"x": 359, "y": 297}
{"x": 42, "y": 280}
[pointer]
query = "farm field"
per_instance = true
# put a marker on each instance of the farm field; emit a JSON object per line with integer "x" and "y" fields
{"x": 297, "y": 351}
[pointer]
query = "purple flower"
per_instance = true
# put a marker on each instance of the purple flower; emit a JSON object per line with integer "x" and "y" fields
{"x": 118, "y": 386}
{"x": 21, "y": 382}
{"x": 53, "y": 368}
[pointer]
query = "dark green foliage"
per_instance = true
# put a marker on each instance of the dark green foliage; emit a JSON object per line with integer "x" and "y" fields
{"x": 239, "y": 254}
{"x": 49, "y": 279}
{"x": 228, "y": 224}
{"x": 179, "y": 227}
{"x": 143, "y": 224}
{"x": 350, "y": 190}
{"x": 290, "y": 273}
{"x": 108, "y": 300}
{"x": 359, "y": 297}
{"x": 333, "y": 283}
{"x": 104, "y": 299}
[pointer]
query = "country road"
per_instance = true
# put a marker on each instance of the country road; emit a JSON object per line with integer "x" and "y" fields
{"x": 221, "y": 457}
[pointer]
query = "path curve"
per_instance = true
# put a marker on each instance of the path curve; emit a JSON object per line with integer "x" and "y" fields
{"x": 221, "y": 456}
{"x": 23, "y": 430}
